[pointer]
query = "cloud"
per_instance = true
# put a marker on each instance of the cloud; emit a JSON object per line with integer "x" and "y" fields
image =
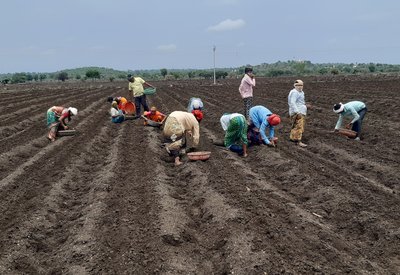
{"x": 227, "y": 25}
{"x": 167, "y": 48}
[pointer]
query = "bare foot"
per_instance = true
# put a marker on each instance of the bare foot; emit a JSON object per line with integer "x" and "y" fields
{"x": 301, "y": 144}
{"x": 178, "y": 162}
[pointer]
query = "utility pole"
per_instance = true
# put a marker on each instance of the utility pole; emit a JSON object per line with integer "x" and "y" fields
{"x": 214, "y": 63}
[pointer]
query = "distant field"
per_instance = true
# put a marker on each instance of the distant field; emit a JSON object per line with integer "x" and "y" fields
{"x": 110, "y": 201}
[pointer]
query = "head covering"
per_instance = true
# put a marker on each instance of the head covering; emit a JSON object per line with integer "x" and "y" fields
{"x": 298, "y": 82}
{"x": 198, "y": 115}
{"x": 73, "y": 111}
{"x": 274, "y": 120}
{"x": 338, "y": 108}
{"x": 196, "y": 104}
{"x": 110, "y": 99}
{"x": 153, "y": 109}
{"x": 248, "y": 70}
{"x": 114, "y": 104}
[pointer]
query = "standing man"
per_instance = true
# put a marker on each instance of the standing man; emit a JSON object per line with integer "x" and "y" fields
{"x": 297, "y": 112}
{"x": 246, "y": 90}
{"x": 136, "y": 86}
{"x": 355, "y": 109}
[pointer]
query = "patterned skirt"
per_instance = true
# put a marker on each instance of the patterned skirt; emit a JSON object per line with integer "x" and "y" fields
{"x": 236, "y": 132}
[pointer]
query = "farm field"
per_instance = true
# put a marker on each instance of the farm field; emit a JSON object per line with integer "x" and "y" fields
{"x": 110, "y": 201}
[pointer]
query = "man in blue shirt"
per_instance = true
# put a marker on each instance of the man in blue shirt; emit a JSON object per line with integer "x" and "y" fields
{"x": 355, "y": 109}
{"x": 263, "y": 118}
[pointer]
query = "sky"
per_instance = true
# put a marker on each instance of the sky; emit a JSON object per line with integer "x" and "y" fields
{"x": 52, "y": 35}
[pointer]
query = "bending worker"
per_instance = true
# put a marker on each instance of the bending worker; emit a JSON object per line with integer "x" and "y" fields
{"x": 57, "y": 118}
{"x": 121, "y": 101}
{"x": 235, "y": 127}
{"x": 195, "y": 103}
{"x": 262, "y": 118}
{"x": 181, "y": 128}
{"x": 355, "y": 109}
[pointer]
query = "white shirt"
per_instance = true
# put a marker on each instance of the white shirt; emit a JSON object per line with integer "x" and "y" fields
{"x": 114, "y": 112}
{"x": 226, "y": 120}
{"x": 297, "y": 103}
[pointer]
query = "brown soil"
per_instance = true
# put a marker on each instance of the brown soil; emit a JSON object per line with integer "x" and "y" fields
{"x": 110, "y": 201}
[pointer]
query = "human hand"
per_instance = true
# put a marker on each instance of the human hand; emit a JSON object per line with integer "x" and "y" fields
{"x": 348, "y": 126}
{"x": 335, "y": 131}
{"x": 271, "y": 144}
{"x": 245, "y": 155}
{"x": 66, "y": 127}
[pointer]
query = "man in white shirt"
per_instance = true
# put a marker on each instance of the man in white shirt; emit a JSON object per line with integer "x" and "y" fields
{"x": 297, "y": 112}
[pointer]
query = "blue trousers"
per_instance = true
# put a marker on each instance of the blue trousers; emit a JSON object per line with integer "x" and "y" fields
{"x": 236, "y": 148}
{"x": 357, "y": 125}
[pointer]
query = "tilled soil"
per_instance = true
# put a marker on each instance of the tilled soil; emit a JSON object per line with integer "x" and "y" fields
{"x": 110, "y": 201}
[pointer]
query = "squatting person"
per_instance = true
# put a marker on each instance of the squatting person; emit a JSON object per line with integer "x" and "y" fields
{"x": 182, "y": 131}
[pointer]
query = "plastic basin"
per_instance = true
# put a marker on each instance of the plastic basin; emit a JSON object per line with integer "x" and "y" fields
{"x": 348, "y": 133}
{"x": 130, "y": 108}
{"x": 199, "y": 155}
{"x": 150, "y": 91}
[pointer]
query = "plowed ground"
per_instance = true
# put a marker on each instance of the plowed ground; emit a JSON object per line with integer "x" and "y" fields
{"x": 110, "y": 201}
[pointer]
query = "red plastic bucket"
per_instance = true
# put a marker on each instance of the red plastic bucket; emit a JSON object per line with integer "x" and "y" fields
{"x": 130, "y": 108}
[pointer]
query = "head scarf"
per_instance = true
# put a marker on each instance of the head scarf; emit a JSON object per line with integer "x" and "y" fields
{"x": 73, "y": 111}
{"x": 198, "y": 115}
{"x": 338, "y": 108}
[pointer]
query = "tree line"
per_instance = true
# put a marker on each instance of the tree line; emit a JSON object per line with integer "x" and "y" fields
{"x": 287, "y": 68}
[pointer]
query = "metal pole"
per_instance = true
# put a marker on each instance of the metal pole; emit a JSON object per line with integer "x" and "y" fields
{"x": 214, "y": 64}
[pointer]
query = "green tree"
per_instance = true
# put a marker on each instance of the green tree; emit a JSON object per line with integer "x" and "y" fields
{"x": 42, "y": 77}
{"x": 334, "y": 71}
{"x": 93, "y": 74}
{"x": 221, "y": 74}
{"x": 18, "y": 78}
{"x": 62, "y": 76}
{"x": 78, "y": 76}
{"x": 164, "y": 72}
{"x": 371, "y": 68}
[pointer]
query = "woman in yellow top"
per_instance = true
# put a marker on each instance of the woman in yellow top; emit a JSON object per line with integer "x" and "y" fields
{"x": 136, "y": 87}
